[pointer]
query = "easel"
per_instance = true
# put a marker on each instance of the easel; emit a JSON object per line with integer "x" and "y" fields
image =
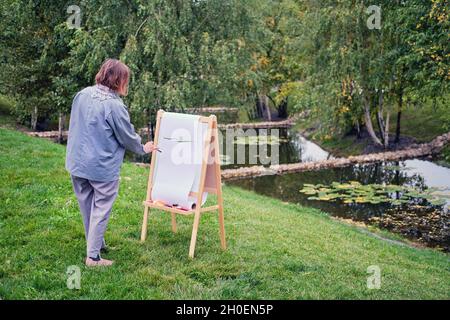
{"x": 210, "y": 181}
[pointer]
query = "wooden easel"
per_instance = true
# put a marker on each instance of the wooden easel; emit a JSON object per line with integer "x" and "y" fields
{"x": 210, "y": 181}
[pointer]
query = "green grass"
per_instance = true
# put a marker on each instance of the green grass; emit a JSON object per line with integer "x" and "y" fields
{"x": 340, "y": 146}
{"x": 343, "y": 146}
{"x": 424, "y": 124}
{"x": 276, "y": 250}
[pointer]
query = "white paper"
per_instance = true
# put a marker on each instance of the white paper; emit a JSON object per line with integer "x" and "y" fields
{"x": 178, "y": 167}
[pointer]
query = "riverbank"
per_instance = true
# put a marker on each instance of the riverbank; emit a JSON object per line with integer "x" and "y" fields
{"x": 426, "y": 149}
{"x": 276, "y": 250}
{"x": 419, "y": 125}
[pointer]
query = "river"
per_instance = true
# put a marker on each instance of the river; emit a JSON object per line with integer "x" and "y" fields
{"x": 417, "y": 221}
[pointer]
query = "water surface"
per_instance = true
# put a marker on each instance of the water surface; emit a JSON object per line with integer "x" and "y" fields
{"x": 417, "y": 220}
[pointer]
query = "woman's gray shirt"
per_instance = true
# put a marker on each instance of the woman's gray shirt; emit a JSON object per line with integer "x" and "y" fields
{"x": 99, "y": 132}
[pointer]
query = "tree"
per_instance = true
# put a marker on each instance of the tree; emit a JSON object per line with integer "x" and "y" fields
{"x": 276, "y": 26}
{"x": 422, "y": 52}
{"x": 356, "y": 74}
{"x": 181, "y": 53}
{"x": 27, "y": 61}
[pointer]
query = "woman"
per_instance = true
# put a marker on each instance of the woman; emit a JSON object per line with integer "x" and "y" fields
{"x": 99, "y": 132}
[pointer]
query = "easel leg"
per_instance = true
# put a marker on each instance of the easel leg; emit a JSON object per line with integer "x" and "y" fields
{"x": 216, "y": 151}
{"x": 223, "y": 242}
{"x": 194, "y": 233}
{"x": 144, "y": 224}
{"x": 174, "y": 222}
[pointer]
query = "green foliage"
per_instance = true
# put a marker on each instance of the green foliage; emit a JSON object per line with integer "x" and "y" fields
{"x": 181, "y": 53}
{"x": 274, "y": 60}
{"x": 30, "y": 56}
{"x": 446, "y": 154}
{"x": 351, "y": 70}
{"x": 430, "y": 48}
{"x": 316, "y": 55}
{"x": 6, "y": 105}
{"x": 186, "y": 54}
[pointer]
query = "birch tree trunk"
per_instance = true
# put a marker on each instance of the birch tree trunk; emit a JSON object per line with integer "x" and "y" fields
{"x": 34, "y": 116}
{"x": 61, "y": 122}
{"x": 386, "y": 132}
{"x": 358, "y": 129}
{"x": 368, "y": 121}
{"x": 380, "y": 120}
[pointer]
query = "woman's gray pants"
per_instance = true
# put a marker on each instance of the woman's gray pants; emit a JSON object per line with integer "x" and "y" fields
{"x": 96, "y": 199}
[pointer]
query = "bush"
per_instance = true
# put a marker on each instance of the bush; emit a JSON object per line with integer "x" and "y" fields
{"x": 6, "y": 105}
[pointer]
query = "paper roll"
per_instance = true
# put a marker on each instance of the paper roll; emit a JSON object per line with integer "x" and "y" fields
{"x": 178, "y": 167}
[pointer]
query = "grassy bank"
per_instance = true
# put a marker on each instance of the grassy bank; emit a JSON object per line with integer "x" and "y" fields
{"x": 422, "y": 124}
{"x": 276, "y": 250}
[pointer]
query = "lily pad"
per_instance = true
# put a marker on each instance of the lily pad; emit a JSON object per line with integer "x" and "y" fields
{"x": 259, "y": 140}
{"x": 308, "y": 191}
{"x": 396, "y": 168}
{"x": 355, "y": 192}
{"x": 438, "y": 202}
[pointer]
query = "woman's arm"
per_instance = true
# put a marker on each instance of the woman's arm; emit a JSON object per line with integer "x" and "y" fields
{"x": 119, "y": 121}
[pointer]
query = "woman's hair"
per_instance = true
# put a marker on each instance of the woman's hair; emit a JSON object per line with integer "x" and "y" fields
{"x": 115, "y": 75}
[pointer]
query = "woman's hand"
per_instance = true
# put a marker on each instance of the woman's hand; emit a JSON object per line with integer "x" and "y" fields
{"x": 149, "y": 147}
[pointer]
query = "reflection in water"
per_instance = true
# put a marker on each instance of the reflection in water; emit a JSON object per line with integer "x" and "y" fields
{"x": 433, "y": 175}
{"x": 310, "y": 151}
{"x": 416, "y": 220}
{"x": 292, "y": 148}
